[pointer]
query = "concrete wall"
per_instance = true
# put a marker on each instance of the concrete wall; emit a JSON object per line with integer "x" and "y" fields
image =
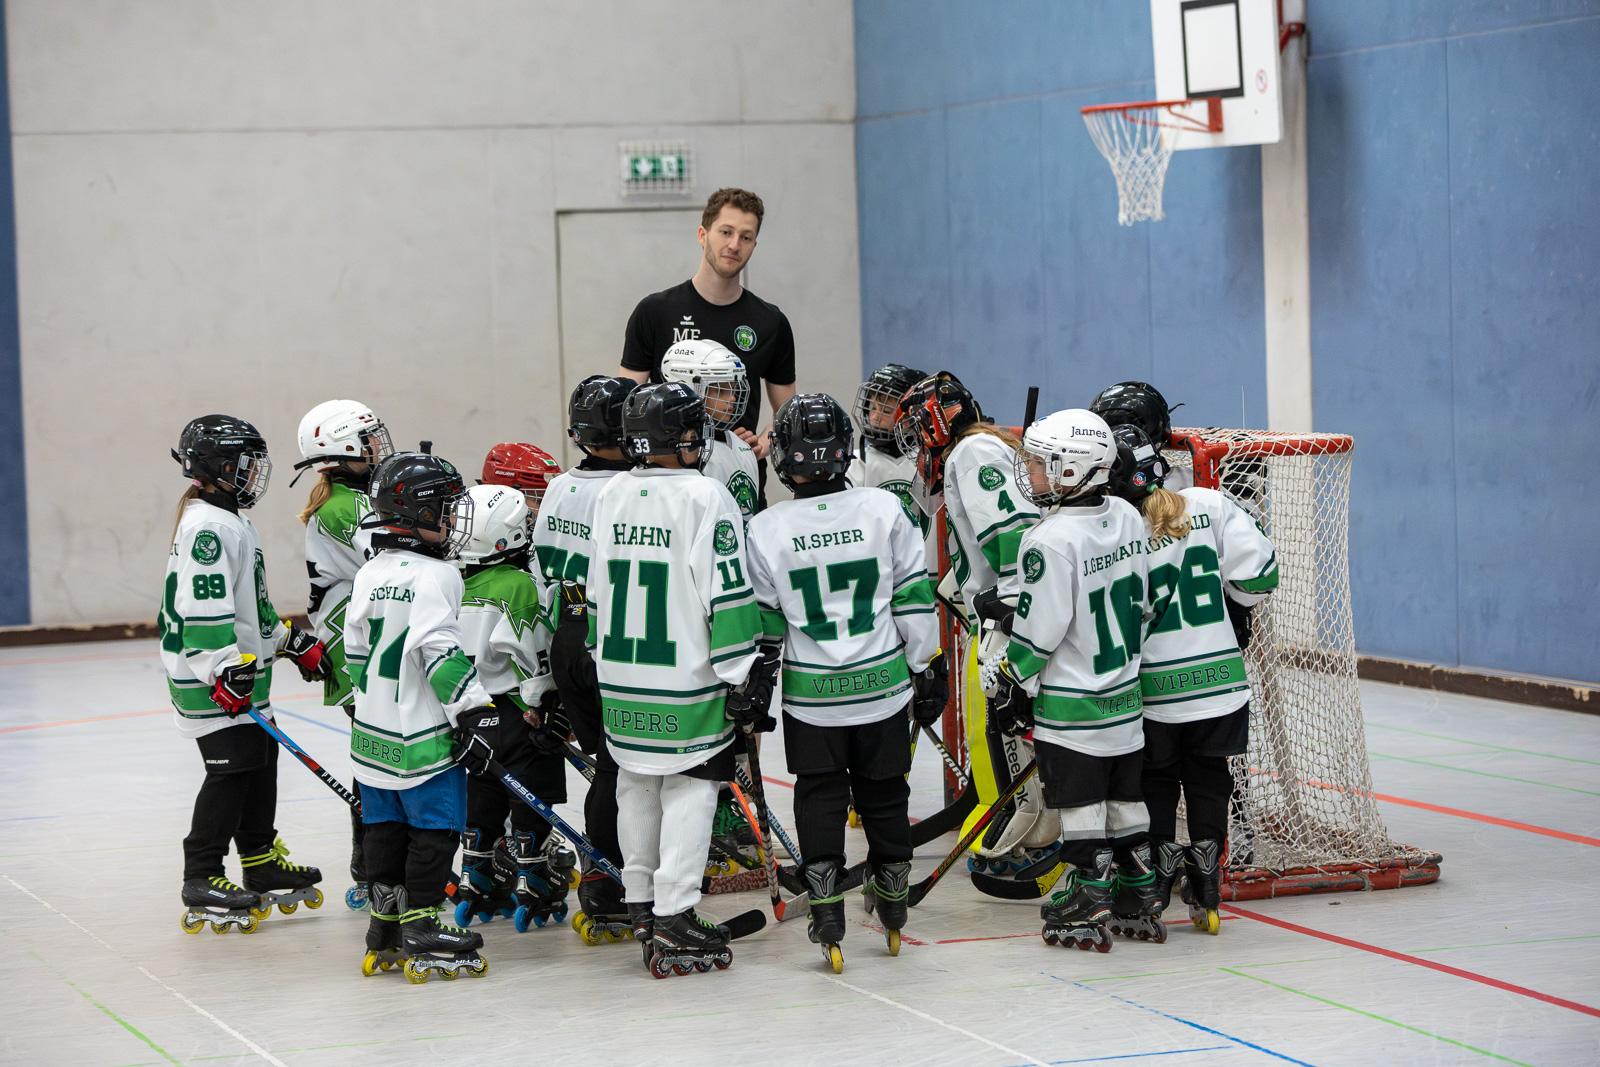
{"x": 254, "y": 206}
{"x": 1455, "y": 295}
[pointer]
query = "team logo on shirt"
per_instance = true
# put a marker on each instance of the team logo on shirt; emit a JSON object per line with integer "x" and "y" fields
{"x": 723, "y": 539}
{"x": 743, "y": 488}
{"x": 1032, "y": 565}
{"x": 207, "y": 547}
{"x": 902, "y": 491}
{"x": 745, "y": 338}
{"x": 990, "y": 477}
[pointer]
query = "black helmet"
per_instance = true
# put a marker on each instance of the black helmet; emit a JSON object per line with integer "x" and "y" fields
{"x": 228, "y": 453}
{"x": 880, "y": 396}
{"x": 810, "y": 437}
{"x": 1139, "y": 403}
{"x": 416, "y": 491}
{"x": 594, "y": 414}
{"x": 665, "y": 419}
{"x": 1140, "y": 468}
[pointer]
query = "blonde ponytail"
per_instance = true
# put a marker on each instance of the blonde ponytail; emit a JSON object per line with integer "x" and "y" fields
{"x": 1167, "y": 514}
{"x": 321, "y": 490}
{"x": 183, "y": 502}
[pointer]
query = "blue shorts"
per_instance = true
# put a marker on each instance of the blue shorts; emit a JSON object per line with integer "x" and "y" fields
{"x": 440, "y": 803}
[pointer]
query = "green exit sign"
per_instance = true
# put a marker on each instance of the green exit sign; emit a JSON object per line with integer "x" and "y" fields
{"x": 668, "y": 167}
{"x": 655, "y": 167}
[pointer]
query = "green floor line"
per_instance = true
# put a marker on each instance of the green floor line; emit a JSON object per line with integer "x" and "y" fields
{"x": 1377, "y": 1017}
{"x": 1482, "y": 774}
{"x": 120, "y": 1021}
{"x": 1499, "y": 944}
{"x": 1483, "y": 744}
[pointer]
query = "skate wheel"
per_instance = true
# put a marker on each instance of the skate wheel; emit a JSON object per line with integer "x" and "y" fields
{"x": 479, "y": 968}
{"x": 539, "y": 920}
{"x": 589, "y": 935}
{"x": 1160, "y": 936}
{"x": 449, "y": 974}
{"x": 416, "y": 973}
{"x": 835, "y": 958}
{"x": 852, "y": 819}
{"x": 659, "y": 968}
{"x": 1103, "y": 945}
{"x": 464, "y": 913}
{"x": 893, "y": 937}
{"x": 219, "y": 928}
{"x": 573, "y": 878}
{"x": 314, "y": 901}
{"x": 577, "y": 921}
{"x": 370, "y": 964}
{"x": 263, "y": 911}
{"x": 192, "y": 924}
{"x": 559, "y": 912}
{"x": 355, "y": 898}
{"x": 721, "y": 964}
{"x": 1082, "y": 946}
{"x": 681, "y": 969}
{"x": 249, "y": 925}
{"x": 289, "y": 907}
{"x": 1212, "y": 924}
{"x": 520, "y": 917}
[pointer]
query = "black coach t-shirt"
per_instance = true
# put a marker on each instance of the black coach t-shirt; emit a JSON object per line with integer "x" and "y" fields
{"x": 754, "y": 330}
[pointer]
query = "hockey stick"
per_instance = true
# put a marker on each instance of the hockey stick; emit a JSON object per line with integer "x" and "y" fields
{"x": 580, "y": 760}
{"x": 300, "y": 754}
{"x": 763, "y": 849}
{"x": 921, "y": 889}
{"x": 1032, "y": 409}
{"x": 772, "y": 818}
{"x": 949, "y": 761}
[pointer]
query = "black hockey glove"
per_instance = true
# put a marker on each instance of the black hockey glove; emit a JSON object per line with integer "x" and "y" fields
{"x": 748, "y": 704}
{"x": 473, "y": 750}
{"x": 1011, "y": 709}
{"x": 235, "y": 686}
{"x": 309, "y": 654}
{"x": 1241, "y": 618}
{"x": 552, "y": 729}
{"x": 991, "y": 608}
{"x": 930, "y": 691}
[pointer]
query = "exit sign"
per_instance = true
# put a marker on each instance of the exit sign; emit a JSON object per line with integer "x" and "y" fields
{"x": 655, "y": 168}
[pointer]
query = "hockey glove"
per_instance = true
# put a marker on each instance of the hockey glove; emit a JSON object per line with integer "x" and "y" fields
{"x": 991, "y": 608}
{"x": 473, "y": 750}
{"x": 1011, "y": 708}
{"x": 748, "y": 704}
{"x": 235, "y": 685}
{"x": 1243, "y": 626}
{"x": 309, "y": 654}
{"x": 550, "y": 726}
{"x": 930, "y": 691}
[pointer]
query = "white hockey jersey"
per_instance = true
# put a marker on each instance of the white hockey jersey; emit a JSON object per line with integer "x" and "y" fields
{"x": 1192, "y": 667}
{"x": 986, "y": 513}
{"x": 505, "y": 632}
{"x": 733, "y": 463}
{"x": 841, "y": 580}
{"x": 214, "y": 608}
{"x": 880, "y": 470}
{"x": 562, "y": 538}
{"x": 412, "y": 679}
{"x": 672, "y": 617}
{"x": 336, "y": 547}
{"x": 1080, "y": 621}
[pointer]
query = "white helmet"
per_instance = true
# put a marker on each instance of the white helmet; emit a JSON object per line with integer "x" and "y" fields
{"x": 341, "y": 431}
{"x": 1076, "y": 451}
{"x": 499, "y": 523}
{"x": 702, "y": 364}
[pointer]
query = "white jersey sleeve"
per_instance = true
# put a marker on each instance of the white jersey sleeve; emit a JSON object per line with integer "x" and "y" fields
{"x": 336, "y": 546}
{"x": 733, "y": 463}
{"x": 1249, "y": 562}
{"x": 506, "y": 633}
{"x": 987, "y": 513}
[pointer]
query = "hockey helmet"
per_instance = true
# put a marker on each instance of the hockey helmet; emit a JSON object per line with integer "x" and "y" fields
{"x": 342, "y": 431}
{"x": 521, "y": 466}
{"x": 594, "y": 412}
{"x": 1140, "y": 467}
{"x": 715, "y": 373}
{"x": 1139, "y": 403}
{"x": 878, "y": 404}
{"x": 499, "y": 526}
{"x": 1065, "y": 455}
{"x": 665, "y": 419}
{"x": 421, "y": 492}
{"x": 811, "y": 437}
{"x": 228, "y": 453}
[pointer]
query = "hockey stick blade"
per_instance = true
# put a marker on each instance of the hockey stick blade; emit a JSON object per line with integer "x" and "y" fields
{"x": 920, "y": 890}
{"x": 946, "y": 820}
{"x": 300, "y": 754}
{"x": 991, "y": 885}
{"x": 745, "y": 923}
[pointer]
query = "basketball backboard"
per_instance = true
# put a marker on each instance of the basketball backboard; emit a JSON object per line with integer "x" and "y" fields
{"x": 1223, "y": 50}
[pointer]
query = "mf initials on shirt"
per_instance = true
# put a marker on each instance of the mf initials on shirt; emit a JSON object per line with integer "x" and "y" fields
{"x": 685, "y": 330}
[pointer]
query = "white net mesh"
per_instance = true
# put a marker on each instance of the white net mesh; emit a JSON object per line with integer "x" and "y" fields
{"x": 1138, "y": 147}
{"x": 1303, "y": 793}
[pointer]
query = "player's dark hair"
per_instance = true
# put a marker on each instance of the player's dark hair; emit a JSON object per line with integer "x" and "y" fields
{"x": 738, "y": 199}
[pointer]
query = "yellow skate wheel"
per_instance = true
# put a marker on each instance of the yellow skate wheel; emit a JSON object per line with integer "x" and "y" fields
{"x": 191, "y": 924}
{"x": 894, "y": 942}
{"x": 314, "y": 901}
{"x": 836, "y": 959}
{"x": 369, "y": 964}
{"x": 448, "y": 975}
{"x": 480, "y": 968}
{"x": 263, "y": 911}
{"x": 576, "y": 922}
{"x": 1213, "y": 923}
{"x": 220, "y": 928}
{"x": 289, "y": 907}
{"x": 590, "y": 935}
{"x": 250, "y": 925}
{"x": 853, "y": 819}
{"x": 416, "y": 974}
{"x": 573, "y": 878}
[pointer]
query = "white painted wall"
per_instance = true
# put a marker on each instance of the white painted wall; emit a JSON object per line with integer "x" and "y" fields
{"x": 253, "y": 206}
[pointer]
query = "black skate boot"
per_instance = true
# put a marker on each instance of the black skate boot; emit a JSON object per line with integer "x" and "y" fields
{"x": 642, "y": 917}
{"x": 434, "y": 947}
{"x": 825, "y": 921}
{"x": 383, "y": 931}
{"x": 685, "y": 942}
{"x": 358, "y": 895}
{"x": 1202, "y": 884}
{"x": 886, "y": 892}
{"x": 217, "y": 901}
{"x": 279, "y": 881}
{"x": 1134, "y": 912}
{"x": 601, "y": 917}
{"x": 1077, "y": 913}
{"x": 1167, "y": 859}
{"x": 484, "y": 890}
{"x": 540, "y": 878}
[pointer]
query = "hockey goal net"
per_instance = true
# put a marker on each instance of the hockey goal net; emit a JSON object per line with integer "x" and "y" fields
{"x": 1304, "y": 819}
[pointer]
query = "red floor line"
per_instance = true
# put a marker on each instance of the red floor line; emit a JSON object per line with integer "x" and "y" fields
{"x": 1493, "y": 820}
{"x": 777, "y": 781}
{"x": 1443, "y": 968}
{"x": 76, "y": 722}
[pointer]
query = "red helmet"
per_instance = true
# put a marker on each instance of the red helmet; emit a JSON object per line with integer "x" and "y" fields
{"x": 931, "y": 414}
{"x": 520, "y": 466}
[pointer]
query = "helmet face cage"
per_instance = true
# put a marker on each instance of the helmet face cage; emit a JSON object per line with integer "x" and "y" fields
{"x": 877, "y": 411}
{"x": 252, "y": 474}
{"x": 726, "y": 401}
{"x": 457, "y": 524}
{"x": 376, "y": 444}
{"x": 1065, "y": 477}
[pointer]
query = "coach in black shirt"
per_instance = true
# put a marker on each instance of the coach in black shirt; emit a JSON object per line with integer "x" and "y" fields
{"x": 715, "y": 306}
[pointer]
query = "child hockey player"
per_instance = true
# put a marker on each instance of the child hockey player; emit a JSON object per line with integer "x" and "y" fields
{"x": 219, "y": 636}
{"x": 969, "y": 461}
{"x": 673, "y": 621}
{"x": 1072, "y": 667}
{"x": 524, "y": 467}
{"x": 882, "y": 459}
{"x": 414, "y": 689}
{"x": 562, "y": 539}
{"x": 506, "y": 635}
{"x": 1210, "y": 564}
{"x": 343, "y": 440}
{"x": 1141, "y": 404}
{"x": 719, "y": 377}
{"x": 842, "y": 583}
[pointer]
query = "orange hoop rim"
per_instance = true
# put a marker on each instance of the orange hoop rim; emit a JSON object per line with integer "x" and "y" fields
{"x": 1211, "y": 124}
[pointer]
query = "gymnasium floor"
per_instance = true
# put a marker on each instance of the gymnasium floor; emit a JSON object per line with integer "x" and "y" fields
{"x": 1498, "y": 961}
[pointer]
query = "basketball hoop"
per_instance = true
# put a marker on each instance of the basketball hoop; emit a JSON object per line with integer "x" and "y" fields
{"x": 1137, "y": 140}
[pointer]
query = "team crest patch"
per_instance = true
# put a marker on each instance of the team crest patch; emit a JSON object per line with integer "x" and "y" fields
{"x": 1032, "y": 565}
{"x": 207, "y": 547}
{"x": 723, "y": 539}
{"x": 990, "y": 477}
{"x": 744, "y": 491}
{"x": 745, "y": 338}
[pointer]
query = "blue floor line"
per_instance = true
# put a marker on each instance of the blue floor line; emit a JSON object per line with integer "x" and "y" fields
{"x": 277, "y": 710}
{"x": 1179, "y": 1019}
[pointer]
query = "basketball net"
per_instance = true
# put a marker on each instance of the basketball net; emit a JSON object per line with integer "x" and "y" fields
{"x": 1138, "y": 140}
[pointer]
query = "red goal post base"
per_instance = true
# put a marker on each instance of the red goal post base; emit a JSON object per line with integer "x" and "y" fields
{"x": 1260, "y": 883}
